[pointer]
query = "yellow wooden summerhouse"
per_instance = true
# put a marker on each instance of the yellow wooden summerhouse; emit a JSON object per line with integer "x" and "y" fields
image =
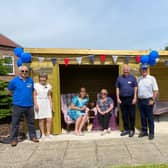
{"x": 94, "y": 76}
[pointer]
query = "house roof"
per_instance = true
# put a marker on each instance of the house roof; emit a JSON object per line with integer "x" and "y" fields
{"x": 6, "y": 42}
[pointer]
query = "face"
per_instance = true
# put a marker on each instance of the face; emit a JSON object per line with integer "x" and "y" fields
{"x": 83, "y": 92}
{"x": 23, "y": 72}
{"x": 144, "y": 72}
{"x": 103, "y": 93}
{"x": 126, "y": 70}
{"x": 43, "y": 80}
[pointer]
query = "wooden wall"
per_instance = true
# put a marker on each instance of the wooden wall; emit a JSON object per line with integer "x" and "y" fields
{"x": 160, "y": 71}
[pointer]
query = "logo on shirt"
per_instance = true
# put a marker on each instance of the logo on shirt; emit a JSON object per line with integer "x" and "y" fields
{"x": 129, "y": 82}
{"x": 29, "y": 85}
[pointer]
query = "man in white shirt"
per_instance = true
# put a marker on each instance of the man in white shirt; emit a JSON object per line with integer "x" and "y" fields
{"x": 147, "y": 93}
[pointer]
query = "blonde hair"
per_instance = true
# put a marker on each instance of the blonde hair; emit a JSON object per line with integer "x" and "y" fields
{"x": 43, "y": 74}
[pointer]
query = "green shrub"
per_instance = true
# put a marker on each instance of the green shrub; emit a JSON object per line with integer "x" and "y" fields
{"x": 5, "y": 100}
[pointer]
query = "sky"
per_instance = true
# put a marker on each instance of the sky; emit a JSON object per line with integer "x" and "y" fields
{"x": 87, "y": 24}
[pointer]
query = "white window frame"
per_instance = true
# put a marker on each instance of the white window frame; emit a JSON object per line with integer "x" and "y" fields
{"x": 13, "y": 63}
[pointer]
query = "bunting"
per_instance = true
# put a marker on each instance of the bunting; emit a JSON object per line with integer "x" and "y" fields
{"x": 127, "y": 59}
{"x": 79, "y": 60}
{"x": 41, "y": 59}
{"x": 102, "y": 58}
{"x": 91, "y": 58}
{"x": 66, "y": 61}
{"x": 115, "y": 58}
{"x": 54, "y": 61}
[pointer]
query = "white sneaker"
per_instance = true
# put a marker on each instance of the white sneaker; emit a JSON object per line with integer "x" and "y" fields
{"x": 104, "y": 132}
{"x": 50, "y": 136}
{"x": 42, "y": 137}
{"x": 109, "y": 130}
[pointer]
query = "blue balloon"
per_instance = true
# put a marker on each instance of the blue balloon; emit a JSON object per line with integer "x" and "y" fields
{"x": 152, "y": 62}
{"x": 19, "y": 62}
{"x": 26, "y": 57}
{"x": 144, "y": 59}
{"x": 153, "y": 54}
{"x": 18, "y": 51}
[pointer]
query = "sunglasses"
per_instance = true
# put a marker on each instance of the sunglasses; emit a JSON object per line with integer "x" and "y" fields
{"x": 103, "y": 93}
{"x": 24, "y": 71}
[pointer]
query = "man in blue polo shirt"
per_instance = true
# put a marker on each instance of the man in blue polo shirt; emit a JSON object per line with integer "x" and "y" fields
{"x": 126, "y": 92}
{"x": 21, "y": 88}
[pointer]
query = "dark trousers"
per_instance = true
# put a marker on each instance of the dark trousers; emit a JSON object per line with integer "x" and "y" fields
{"x": 147, "y": 118}
{"x": 104, "y": 120}
{"x": 17, "y": 113}
{"x": 128, "y": 113}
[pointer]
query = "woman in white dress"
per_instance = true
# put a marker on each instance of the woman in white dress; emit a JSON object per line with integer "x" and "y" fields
{"x": 43, "y": 105}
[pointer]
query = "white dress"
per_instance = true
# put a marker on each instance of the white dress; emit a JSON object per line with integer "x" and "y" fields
{"x": 43, "y": 102}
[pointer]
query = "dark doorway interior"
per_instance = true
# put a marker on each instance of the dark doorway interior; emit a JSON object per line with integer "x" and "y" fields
{"x": 93, "y": 77}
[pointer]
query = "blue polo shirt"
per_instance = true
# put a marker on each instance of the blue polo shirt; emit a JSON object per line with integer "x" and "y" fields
{"x": 126, "y": 85}
{"x": 22, "y": 91}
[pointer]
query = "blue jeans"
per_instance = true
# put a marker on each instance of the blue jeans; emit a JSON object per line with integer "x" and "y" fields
{"x": 147, "y": 118}
{"x": 17, "y": 113}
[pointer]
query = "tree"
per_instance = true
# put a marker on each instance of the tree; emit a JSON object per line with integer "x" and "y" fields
{"x": 166, "y": 48}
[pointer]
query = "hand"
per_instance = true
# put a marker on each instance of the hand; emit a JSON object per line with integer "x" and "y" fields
{"x": 36, "y": 107}
{"x": 102, "y": 113}
{"x": 134, "y": 101}
{"x": 83, "y": 108}
{"x": 119, "y": 101}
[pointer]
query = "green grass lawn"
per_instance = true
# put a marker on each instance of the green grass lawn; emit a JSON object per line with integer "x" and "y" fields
{"x": 143, "y": 166}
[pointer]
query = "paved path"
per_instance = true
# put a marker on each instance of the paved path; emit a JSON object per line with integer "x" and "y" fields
{"x": 86, "y": 153}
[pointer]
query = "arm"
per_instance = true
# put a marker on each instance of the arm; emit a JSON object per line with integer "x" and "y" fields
{"x": 135, "y": 95}
{"x": 118, "y": 95}
{"x": 73, "y": 107}
{"x": 10, "y": 93}
{"x": 155, "y": 94}
{"x": 110, "y": 108}
{"x": 155, "y": 89}
{"x": 50, "y": 99}
{"x": 98, "y": 109}
{"x": 35, "y": 101}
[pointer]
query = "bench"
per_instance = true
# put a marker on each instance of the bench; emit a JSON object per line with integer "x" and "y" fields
{"x": 160, "y": 107}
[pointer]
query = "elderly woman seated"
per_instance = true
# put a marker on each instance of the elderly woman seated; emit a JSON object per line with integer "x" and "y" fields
{"x": 77, "y": 110}
{"x": 104, "y": 107}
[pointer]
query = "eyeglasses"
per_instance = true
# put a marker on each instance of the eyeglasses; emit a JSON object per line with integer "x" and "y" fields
{"x": 103, "y": 93}
{"x": 24, "y": 71}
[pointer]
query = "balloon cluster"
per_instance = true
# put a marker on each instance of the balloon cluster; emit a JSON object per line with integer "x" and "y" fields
{"x": 150, "y": 59}
{"x": 23, "y": 56}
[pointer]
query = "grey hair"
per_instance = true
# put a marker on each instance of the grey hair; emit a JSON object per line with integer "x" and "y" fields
{"x": 20, "y": 68}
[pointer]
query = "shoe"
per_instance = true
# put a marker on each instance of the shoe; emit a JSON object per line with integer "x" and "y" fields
{"x": 35, "y": 140}
{"x": 81, "y": 134}
{"x": 151, "y": 136}
{"x": 109, "y": 130}
{"x": 142, "y": 134}
{"x": 131, "y": 133}
{"x": 50, "y": 136}
{"x": 123, "y": 133}
{"x": 42, "y": 137}
{"x": 103, "y": 133}
{"x": 14, "y": 143}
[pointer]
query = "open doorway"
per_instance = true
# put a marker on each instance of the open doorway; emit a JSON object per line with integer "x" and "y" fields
{"x": 92, "y": 77}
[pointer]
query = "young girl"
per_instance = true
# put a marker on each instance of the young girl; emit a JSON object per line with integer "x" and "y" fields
{"x": 43, "y": 105}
